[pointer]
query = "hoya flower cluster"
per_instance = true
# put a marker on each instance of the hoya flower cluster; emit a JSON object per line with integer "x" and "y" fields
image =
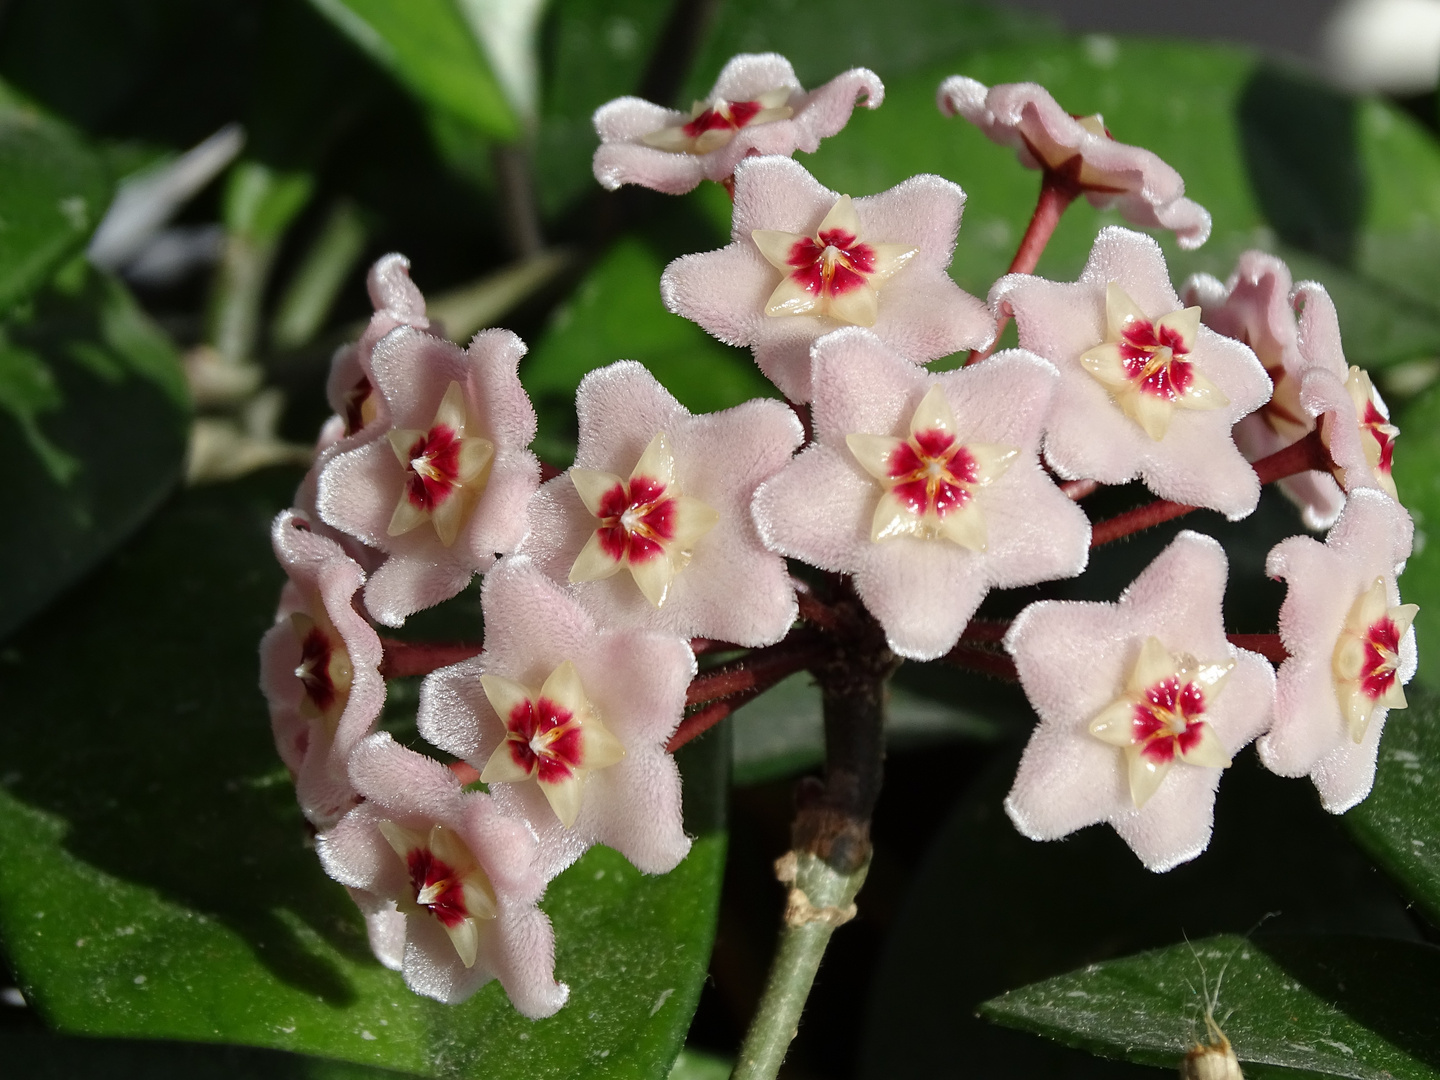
{"x": 918, "y": 491}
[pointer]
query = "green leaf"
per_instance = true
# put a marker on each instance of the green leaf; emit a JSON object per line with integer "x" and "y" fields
{"x": 42, "y": 1056}
{"x": 93, "y": 418}
{"x": 1399, "y": 824}
{"x": 782, "y": 732}
{"x": 1329, "y": 1004}
{"x": 1197, "y": 119}
{"x": 992, "y": 910}
{"x": 152, "y": 859}
{"x": 1417, "y": 478}
{"x": 615, "y": 313}
{"x": 697, "y": 1065}
{"x": 53, "y": 191}
{"x": 427, "y": 45}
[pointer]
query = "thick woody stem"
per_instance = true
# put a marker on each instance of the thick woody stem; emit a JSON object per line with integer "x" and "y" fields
{"x": 1056, "y": 194}
{"x": 1310, "y": 453}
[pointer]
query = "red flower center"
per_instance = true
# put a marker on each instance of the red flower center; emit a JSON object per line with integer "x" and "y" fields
{"x": 543, "y": 737}
{"x": 1167, "y": 721}
{"x": 931, "y": 471}
{"x": 1154, "y": 359}
{"x": 1373, "y": 422}
{"x": 357, "y": 398}
{"x": 831, "y": 264}
{"x": 438, "y": 888}
{"x": 314, "y": 670}
{"x": 1382, "y": 658}
{"x": 637, "y": 518}
{"x": 433, "y": 471}
{"x": 723, "y": 115}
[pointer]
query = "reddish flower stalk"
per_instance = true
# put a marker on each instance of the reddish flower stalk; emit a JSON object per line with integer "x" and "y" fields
{"x": 762, "y": 668}
{"x": 702, "y": 720}
{"x": 815, "y": 611}
{"x": 994, "y": 664}
{"x": 1305, "y": 455}
{"x": 404, "y": 658}
{"x": 1078, "y": 489}
{"x": 1267, "y": 645}
{"x": 986, "y": 630}
{"x": 1056, "y": 194}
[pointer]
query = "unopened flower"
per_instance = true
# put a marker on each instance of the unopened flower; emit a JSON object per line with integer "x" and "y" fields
{"x": 1080, "y": 153}
{"x": 805, "y": 260}
{"x": 1253, "y": 307}
{"x": 653, "y": 526}
{"x": 1351, "y": 648}
{"x": 443, "y": 489}
{"x": 1354, "y": 421}
{"x": 319, "y": 668}
{"x": 1144, "y": 390}
{"x": 568, "y": 720}
{"x": 757, "y": 106}
{"x": 927, "y": 488}
{"x": 1142, "y": 704}
{"x": 461, "y": 874}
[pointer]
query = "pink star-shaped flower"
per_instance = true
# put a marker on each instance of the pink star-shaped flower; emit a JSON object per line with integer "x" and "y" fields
{"x": 461, "y": 874}
{"x": 1144, "y": 388}
{"x": 319, "y": 668}
{"x": 927, "y": 488}
{"x": 1142, "y": 704}
{"x": 1351, "y": 648}
{"x": 444, "y": 488}
{"x": 1354, "y": 421}
{"x": 567, "y": 720}
{"x": 1253, "y": 307}
{"x": 806, "y": 260}
{"x": 1081, "y": 152}
{"x": 757, "y": 106}
{"x": 653, "y": 524}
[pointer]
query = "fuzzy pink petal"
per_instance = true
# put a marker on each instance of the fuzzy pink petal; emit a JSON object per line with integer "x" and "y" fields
{"x": 1371, "y": 540}
{"x": 1088, "y": 436}
{"x": 922, "y": 313}
{"x": 733, "y": 589}
{"x": 384, "y": 927}
{"x": 819, "y": 508}
{"x": 323, "y": 583}
{"x": 1024, "y": 116}
{"x": 1073, "y": 658}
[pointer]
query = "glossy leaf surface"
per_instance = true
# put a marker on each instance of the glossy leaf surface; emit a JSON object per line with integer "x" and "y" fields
{"x": 156, "y": 879}
{"x": 1327, "y": 1004}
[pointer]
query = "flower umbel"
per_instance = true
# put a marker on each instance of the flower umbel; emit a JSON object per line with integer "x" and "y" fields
{"x": 930, "y": 478}
{"x": 444, "y": 470}
{"x": 1160, "y": 717}
{"x": 834, "y": 272}
{"x": 647, "y": 525}
{"x": 1146, "y": 365}
{"x": 554, "y": 736}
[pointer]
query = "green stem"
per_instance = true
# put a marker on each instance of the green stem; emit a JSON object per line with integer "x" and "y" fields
{"x": 821, "y": 898}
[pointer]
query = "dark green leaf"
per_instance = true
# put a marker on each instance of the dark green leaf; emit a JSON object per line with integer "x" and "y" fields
{"x": 39, "y": 1056}
{"x": 53, "y": 190}
{"x": 1329, "y": 1004}
{"x": 1399, "y": 824}
{"x": 156, "y": 880}
{"x": 427, "y": 46}
{"x": 992, "y": 910}
{"x": 93, "y": 418}
{"x": 1417, "y": 477}
{"x": 615, "y": 314}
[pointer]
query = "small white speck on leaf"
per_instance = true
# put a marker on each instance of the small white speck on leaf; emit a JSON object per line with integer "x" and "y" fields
{"x": 660, "y": 1001}
{"x": 139, "y": 980}
{"x": 367, "y": 1036}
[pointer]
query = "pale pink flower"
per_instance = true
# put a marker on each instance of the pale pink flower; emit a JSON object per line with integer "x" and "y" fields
{"x": 652, "y": 525}
{"x": 567, "y": 721}
{"x": 444, "y": 488}
{"x": 319, "y": 668}
{"x": 1354, "y": 421}
{"x": 806, "y": 260}
{"x": 461, "y": 875}
{"x": 927, "y": 488}
{"x": 1079, "y": 152}
{"x": 1351, "y": 648}
{"x": 757, "y": 106}
{"x": 1144, "y": 388}
{"x": 1142, "y": 705}
{"x": 1253, "y": 307}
